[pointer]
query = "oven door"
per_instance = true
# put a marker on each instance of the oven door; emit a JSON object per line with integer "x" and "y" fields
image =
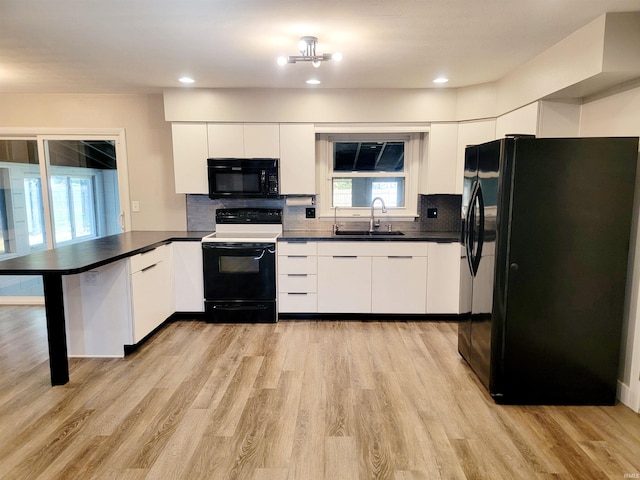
{"x": 239, "y": 271}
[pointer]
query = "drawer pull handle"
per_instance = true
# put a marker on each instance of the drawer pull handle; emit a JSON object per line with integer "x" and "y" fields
{"x": 297, "y": 293}
{"x": 345, "y": 256}
{"x": 296, "y": 274}
{"x": 148, "y": 268}
{"x": 296, "y": 256}
{"x": 400, "y": 256}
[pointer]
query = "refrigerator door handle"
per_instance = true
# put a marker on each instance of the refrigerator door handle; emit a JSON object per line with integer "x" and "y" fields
{"x": 469, "y": 229}
{"x": 478, "y": 254}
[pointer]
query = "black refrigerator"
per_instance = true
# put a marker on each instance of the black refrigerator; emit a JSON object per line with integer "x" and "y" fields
{"x": 546, "y": 229}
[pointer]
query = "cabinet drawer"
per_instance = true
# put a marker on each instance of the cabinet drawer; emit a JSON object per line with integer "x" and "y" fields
{"x": 373, "y": 248}
{"x": 297, "y": 303}
{"x": 297, "y": 264}
{"x": 144, "y": 260}
{"x": 297, "y": 283}
{"x": 297, "y": 248}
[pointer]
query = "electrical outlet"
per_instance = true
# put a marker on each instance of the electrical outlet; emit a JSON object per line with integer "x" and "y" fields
{"x": 310, "y": 213}
{"x": 135, "y": 206}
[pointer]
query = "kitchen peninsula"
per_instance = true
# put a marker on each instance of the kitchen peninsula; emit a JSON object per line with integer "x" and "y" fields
{"x": 52, "y": 265}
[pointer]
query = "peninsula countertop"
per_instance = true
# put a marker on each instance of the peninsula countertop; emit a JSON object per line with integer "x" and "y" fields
{"x": 83, "y": 256}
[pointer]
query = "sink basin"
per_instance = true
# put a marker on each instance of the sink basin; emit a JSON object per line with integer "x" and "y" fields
{"x": 377, "y": 233}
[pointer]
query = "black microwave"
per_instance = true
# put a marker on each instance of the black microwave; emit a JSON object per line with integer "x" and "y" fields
{"x": 243, "y": 177}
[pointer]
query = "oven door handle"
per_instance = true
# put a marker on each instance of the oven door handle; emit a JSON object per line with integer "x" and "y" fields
{"x": 264, "y": 252}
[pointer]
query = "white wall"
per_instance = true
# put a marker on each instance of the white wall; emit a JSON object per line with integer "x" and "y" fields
{"x": 618, "y": 114}
{"x": 148, "y": 136}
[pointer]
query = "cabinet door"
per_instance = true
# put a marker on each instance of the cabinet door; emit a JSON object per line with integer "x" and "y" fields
{"x": 399, "y": 284}
{"x": 237, "y": 140}
{"x": 344, "y": 284}
{"x": 188, "y": 277}
{"x": 150, "y": 289}
{"x": 152, "y": 294}
{"x": 443, "y": 280}
{"x": 297, "y": 159}
{"x": 226, "y": 140}
{"x": 190, "y": 153}
{"x": 261, "y": 140}
{"x": 439, "y": 176}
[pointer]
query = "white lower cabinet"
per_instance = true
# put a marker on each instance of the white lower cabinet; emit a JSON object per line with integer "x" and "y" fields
{"x": 188, "y": 276}
{"x": 444, "y": 278}
{"x": 399, "y": 284}
{"x": 151, "y": 276}
{"x": 297, "y": 277}
{"x": 388, "y": 277}
{"x": 118, "y": 304}
{"x": 344, "y": 284}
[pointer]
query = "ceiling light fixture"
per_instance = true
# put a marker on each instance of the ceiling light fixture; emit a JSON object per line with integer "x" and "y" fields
{"x": 313, "y": 81}
{"x": 186, "y": 80}
{"x": 307, "y": 46}
{"x": 441, "y": 80}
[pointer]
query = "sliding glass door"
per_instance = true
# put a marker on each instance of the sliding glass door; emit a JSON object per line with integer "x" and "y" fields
{"x": 54, "y": 191}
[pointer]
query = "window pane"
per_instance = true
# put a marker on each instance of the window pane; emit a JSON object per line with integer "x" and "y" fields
{"x": 21, "y": 208}
{"x": 21, "y": 211}
{"x": 368, "y": 156}
{"x": 90, "y": 206}
{"x": 60, "y": 203}
{"x": 360, "y": 191}
{"x": 34, "y": 211}
{"x": 82, "y": 207}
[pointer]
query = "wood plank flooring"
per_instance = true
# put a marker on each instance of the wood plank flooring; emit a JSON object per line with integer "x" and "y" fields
{"x": 297, "y": 400}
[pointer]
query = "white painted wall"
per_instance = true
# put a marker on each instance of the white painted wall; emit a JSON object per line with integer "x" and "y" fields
{"x": 618, "y": 114}
{"x": 149, "y": 153}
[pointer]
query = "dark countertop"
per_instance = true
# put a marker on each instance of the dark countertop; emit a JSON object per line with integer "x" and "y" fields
{"x": 324, "y": 235}
{"x": 80, "y": 257}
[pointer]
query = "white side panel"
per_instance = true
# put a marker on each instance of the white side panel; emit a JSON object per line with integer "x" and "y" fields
{"x": 97, "y": 311}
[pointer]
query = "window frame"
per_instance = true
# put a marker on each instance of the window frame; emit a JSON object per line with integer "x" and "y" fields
{"x": 411, "y": 173}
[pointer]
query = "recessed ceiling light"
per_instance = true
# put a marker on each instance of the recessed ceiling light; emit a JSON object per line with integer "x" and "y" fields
{"x": 313, "y": 81}
{"x": 441, "y": 80}
{"x": 186, "y": 80}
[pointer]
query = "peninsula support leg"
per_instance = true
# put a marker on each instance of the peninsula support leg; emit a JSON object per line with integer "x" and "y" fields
{"x": 54, "y": 308}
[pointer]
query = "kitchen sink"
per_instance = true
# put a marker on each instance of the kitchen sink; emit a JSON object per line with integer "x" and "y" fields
{"x": 380, "y": 233}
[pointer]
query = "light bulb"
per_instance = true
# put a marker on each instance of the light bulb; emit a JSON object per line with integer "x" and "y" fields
{"x": 316, "y": 64}
{"x": 282, "y": 60}
{"x": 302, "y": 46}
{"x": 336, "y": 56}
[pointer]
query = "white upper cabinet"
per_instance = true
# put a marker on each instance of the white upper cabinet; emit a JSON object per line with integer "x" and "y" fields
{"x": 297, "y": 159}
{"x": 244, "y": 140}
{"x": 441, "y": 168}
{"x": 190, "y": 152}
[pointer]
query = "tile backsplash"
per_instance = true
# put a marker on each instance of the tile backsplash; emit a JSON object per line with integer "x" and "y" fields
{"x": 201, "y": 214}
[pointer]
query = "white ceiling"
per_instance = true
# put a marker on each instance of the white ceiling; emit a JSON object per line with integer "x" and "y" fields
{"x": 145, "y": 45}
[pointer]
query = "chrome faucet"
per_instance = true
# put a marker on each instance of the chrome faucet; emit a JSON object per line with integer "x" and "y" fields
{"x": 372, "y": 223}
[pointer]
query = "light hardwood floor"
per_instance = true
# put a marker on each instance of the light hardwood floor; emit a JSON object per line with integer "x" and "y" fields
{"x": 300, "y": 400}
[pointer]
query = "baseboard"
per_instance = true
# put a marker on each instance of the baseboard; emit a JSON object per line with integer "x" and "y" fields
{"x": 628, "y": 397}
{"x": 6, "y": 300}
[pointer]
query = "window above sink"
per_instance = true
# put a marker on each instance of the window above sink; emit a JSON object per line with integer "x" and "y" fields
{"x": 358, "y": 167}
